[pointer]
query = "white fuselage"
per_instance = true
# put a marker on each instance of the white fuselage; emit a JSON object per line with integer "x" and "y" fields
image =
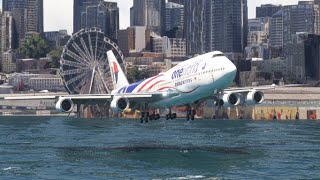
{"x": 195, "y": 79}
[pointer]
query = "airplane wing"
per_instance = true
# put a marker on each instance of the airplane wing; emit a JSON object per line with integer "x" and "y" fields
{"x": 96, "y": 99}
{"x": 248, "y": 89}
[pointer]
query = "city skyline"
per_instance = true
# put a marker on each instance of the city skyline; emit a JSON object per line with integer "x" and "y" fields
{"x": 54, "y": 21}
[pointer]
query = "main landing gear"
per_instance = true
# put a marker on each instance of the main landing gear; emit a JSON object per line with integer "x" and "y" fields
{"x": 171, "y": 115}
{"x": 145, "y": 115}
{"x": 191, "y": 114}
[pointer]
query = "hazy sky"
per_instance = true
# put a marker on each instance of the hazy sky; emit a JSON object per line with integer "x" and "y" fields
{"x": 58, "y": 13}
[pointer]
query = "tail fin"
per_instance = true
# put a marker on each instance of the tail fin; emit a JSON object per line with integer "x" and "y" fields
{"x": 119, "y": 79}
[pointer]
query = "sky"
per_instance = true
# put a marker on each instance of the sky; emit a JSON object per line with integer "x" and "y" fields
{"x": 58, "y": 13}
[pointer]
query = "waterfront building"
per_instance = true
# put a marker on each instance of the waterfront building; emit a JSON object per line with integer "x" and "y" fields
{"x": 100, "y": 14}
{"x": 36, "y": 66}
{"x": 149, "y": 13}
{"x": 174, "y": 16}
{"x": 8, "y": 61}
{"x": 171, "y": 47}
{"x": 47, "y": 82}
{"x": 134, "y": 39}
{"x": 304, "y": 17}
{"x": 258, "y": 51}
{"x": 276, "y": 30}
{"x": 303, "y": 58}
{"x": 21, "y": 81}
{"x": 267, "y": 10}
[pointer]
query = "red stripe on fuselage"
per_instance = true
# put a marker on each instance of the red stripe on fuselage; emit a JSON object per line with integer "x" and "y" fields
{"x": 164, "y": 88}
{"x": 154, "y": 85}
{"x": 149, "y": 82}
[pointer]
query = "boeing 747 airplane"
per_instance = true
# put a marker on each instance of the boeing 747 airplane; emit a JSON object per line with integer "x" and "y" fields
{"x": 191, "y": 82}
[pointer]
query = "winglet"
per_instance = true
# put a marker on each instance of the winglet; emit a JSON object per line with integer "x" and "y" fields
{"x": 119, "y": 79}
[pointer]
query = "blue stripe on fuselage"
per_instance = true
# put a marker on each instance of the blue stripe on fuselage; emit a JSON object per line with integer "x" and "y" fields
{"x": 133, "y": 86}
{"x": 121, "y": 90}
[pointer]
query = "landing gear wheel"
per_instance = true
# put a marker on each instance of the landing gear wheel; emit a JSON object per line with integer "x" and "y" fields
{"x": 189, "y": 115}
{"x": 167, "y": 117}
{"x": 152, "y": 117}
{"x": 194, "y": 112}
{"x": 142, "y": 117}
{"x": 146, "y": 117}
{"x": 174, "y": 116}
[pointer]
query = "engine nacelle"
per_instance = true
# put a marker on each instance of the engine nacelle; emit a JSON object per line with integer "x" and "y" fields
{"x": 64, "y": 105}
{"x": 229, "y": 99}
{"x": 254, "y": 97}
{"x": 120, "y": 104}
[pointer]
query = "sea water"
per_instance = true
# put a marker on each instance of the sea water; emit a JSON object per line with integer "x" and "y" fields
{"x": 64, "y": 148}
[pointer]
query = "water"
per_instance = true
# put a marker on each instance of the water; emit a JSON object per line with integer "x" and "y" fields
{"x": 51, "y": 148}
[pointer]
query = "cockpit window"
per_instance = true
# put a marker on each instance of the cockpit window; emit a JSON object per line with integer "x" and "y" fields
{"x": 217, "y": 55}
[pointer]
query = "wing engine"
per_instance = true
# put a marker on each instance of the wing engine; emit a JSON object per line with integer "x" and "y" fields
{"x": 64, "y": 105}
{"x": 254, "y": 97}
{"x": 120, "y": 104}
{"x": 229, "y": 99}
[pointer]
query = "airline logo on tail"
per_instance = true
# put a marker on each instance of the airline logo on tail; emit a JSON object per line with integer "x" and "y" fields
{"x": 115, "y": 72}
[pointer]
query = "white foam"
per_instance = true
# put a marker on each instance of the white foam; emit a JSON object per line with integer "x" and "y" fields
{"x": 189, "y": 177}
{"x": 10, "y": 168}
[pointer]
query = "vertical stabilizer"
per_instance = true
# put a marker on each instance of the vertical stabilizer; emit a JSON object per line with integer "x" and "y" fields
{"x": 119, "y": 79}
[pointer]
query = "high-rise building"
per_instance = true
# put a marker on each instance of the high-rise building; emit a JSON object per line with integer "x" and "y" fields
{"x": 304, "y": 17}
{"x": 8, "y": 61}
{"x": 134, "y": 39}
{"x": 33, "y": 10}
{"x": 216, "y": 25}
{"x": 258, "y": 30}
{"x": 174, "y": 16}
{"x": 267, "y": 10}
{"x": 20, "y": 25}
{"x": 8, "y": 5}
{"x": 7, "y": 32}
{"x": 35, "y": 15}
{"x": 100, "y": 14}
{"x": 276, "y": 30}
{"x": 226, "y": 24}
{"x": 78, "y": 7}
{"x": 171, "y": 47}
{"x": 194, "y": 26}
{"x": 148, "y": 13}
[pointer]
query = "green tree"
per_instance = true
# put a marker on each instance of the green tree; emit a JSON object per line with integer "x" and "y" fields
{"x": 34, "y": 47}
{"x": 55, "y": 56}
{"x": 134, "y": 74}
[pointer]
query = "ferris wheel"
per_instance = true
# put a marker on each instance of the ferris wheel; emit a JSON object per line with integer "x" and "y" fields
{"x": 84, "y": 65}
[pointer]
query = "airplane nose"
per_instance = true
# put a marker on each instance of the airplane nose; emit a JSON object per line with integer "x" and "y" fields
{"x": 232, "y": 70}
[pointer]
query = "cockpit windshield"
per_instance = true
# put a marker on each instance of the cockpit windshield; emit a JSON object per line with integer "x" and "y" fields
{"x": 217, "y": 55}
